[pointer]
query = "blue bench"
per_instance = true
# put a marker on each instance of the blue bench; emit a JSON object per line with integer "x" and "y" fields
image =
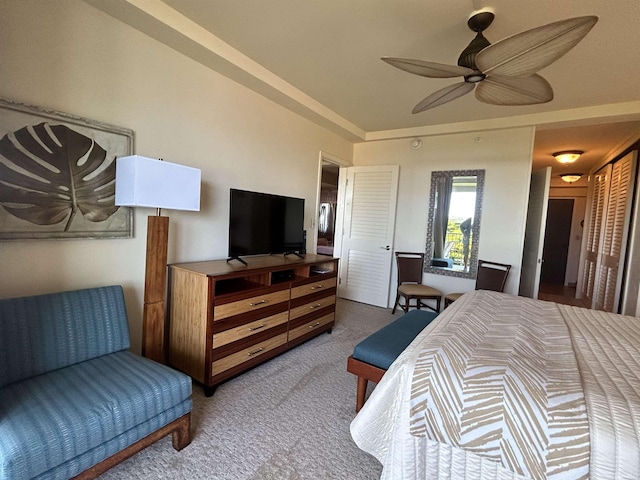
{"x": 373, "y": 356}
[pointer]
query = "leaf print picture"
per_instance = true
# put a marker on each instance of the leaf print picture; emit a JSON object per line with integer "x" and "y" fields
{"x": 57, "y": 175}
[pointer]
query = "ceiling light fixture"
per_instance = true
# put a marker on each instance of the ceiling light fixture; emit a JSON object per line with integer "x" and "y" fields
{"x": 571, "y": 177}
{"x": 568, "y": 156}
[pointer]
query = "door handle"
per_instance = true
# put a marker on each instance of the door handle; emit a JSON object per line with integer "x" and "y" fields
{"x": 386, "y": 248}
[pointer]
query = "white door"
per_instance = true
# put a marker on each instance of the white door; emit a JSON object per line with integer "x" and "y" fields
{"x": 367, "y": 239}
{"x": 534, "y": 233}
{"x": 631, "y": 287}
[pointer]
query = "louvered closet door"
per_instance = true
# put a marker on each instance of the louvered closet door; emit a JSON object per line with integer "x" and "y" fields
{"x": 367, "y": 245}
{"x": 599, "y": 190}
{"x": 614, "y": 234}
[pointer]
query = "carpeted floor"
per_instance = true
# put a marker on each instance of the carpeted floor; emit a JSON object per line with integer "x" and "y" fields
{"x": 287, "y": 419}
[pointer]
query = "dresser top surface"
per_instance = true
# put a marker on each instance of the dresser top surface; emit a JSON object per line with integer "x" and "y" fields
{"x": 263, "y": 262}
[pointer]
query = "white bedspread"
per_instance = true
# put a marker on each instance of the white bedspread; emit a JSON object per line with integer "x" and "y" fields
{"x": 607, "y": 351}
{"x": 607, "y": 348}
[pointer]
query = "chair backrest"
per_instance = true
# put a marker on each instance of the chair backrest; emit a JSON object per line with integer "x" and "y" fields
{"x": 409, "y": 267}
{"x": 492, "y": 275}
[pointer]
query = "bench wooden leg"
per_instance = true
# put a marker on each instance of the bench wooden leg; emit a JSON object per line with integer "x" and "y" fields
{"x": 365, "y": 373}
{"x": 361, "y": 392}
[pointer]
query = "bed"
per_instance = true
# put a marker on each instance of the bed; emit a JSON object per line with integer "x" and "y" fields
{"x": 505, "y": 387}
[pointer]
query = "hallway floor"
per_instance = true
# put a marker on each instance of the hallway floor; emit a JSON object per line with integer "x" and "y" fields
{"x": 560, "y": 294}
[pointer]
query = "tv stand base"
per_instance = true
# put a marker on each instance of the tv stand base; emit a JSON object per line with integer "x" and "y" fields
{"x": 238, "y": 259}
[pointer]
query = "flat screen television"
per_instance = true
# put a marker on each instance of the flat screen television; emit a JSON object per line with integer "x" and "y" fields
{"x": 262, "y": 223}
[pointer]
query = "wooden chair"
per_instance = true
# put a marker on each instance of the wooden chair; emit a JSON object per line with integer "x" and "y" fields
{"x": 410, "y": 285}
{"x": 491, "y": 276}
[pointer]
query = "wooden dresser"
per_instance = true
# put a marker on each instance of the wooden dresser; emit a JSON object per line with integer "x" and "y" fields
{"x": 225, "y": 317}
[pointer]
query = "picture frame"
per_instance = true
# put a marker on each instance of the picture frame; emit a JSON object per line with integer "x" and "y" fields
{"x": 57, "y": 175}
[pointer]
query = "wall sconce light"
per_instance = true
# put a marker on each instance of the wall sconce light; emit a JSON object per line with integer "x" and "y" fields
{"x": 568, "y": 156}
{"x": 571, "y": 177}
{"x": 147, "y": 182}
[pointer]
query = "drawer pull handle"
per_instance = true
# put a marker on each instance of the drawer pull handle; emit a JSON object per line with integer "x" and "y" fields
{"x": 316, "y": 287}
{"x": 255, "y": 351}
{"x": 317, "y": 305}
{"x": 257, "y": 303}
{"x": 256, "y": 328}
{"x": 317, "y": 324}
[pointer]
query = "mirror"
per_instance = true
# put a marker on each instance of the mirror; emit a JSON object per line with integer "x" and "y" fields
{"x": 453, "y": 229}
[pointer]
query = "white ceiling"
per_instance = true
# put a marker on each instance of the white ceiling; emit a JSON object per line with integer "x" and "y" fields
{"x": 321, "y": 58}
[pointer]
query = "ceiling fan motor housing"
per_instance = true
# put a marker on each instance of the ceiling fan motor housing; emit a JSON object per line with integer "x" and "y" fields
{"x": 478, "y": 23}
{"x": 468, "y": 56}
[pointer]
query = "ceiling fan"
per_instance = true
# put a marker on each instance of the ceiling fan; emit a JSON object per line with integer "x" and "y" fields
{"x": 503, "y": 73}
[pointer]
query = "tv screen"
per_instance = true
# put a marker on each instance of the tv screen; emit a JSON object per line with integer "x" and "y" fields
{"x": 261, "y": 223}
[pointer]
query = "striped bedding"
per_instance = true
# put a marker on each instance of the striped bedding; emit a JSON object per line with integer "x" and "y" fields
{"x": 503, "y": 387}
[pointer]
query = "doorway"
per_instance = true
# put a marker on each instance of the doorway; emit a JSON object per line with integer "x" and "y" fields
{"x": 556, "y": 241}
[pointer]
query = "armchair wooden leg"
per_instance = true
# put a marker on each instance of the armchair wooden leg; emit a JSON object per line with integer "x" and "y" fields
{"x": 181, "y": 436}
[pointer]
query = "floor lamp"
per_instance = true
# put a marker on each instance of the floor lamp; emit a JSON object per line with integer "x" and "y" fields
{"x": 147, "y": 182}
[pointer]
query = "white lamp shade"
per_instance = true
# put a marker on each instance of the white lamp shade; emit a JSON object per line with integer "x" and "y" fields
{"x": 147, "y": 182}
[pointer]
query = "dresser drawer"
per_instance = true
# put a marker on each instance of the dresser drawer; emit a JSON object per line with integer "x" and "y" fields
{"x": 314, "y": 287}
{"x": 311, "y": 326}
{"x": 251, "y": 328}
{"x": 249, "y": 304}
{"x": 254, "y": 351}
{"x": 312, "y": 306}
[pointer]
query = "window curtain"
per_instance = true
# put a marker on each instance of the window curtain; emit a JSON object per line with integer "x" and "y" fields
{"x": 444, "y": 188}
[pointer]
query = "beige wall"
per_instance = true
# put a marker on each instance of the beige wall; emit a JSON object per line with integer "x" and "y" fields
{"x": 70, "y": 57}
{"x": 506, "y": 157}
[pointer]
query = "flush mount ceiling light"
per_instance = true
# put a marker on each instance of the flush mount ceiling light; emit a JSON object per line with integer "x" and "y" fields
{"x": 571, "y": 177}
{"x": 568, "y": 156}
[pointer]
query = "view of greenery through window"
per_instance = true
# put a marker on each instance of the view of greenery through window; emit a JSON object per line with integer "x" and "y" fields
{"x": 461, "y": 211}
{"x": 454, "y": 242}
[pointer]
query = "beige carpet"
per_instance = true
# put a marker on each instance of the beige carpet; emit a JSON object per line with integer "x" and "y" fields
{"x": 286, "y": 419}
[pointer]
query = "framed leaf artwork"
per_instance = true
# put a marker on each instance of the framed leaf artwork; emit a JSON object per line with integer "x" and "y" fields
{"x": 57, "y": 175}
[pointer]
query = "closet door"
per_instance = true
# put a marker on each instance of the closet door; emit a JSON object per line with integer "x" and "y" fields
{"x": 597, "y": 206}
{"x": 614, "y": 236}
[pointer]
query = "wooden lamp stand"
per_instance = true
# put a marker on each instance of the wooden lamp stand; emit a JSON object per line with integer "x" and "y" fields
{"x": 155, "y": 286}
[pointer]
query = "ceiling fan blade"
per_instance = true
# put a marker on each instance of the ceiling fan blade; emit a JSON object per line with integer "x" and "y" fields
{"x": 442, "y": 96}
{"x": 528, "y": 90}
{"x": 427, "y": 69}
{"x": 527, "y": 52}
